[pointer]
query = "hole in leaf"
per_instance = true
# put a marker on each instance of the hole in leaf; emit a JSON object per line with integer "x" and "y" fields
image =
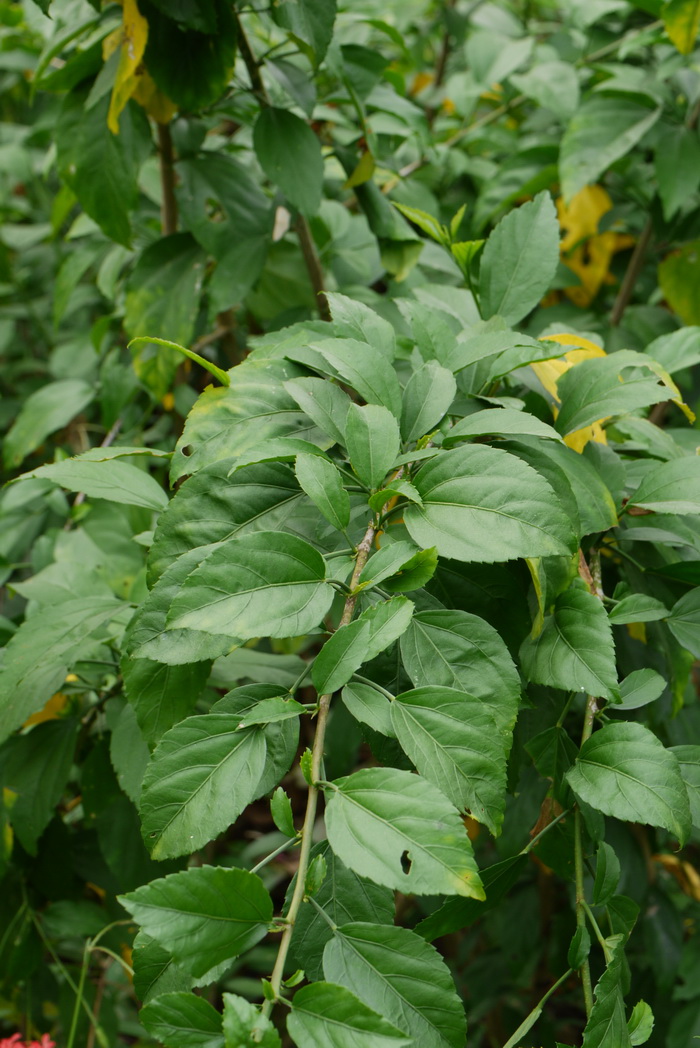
{"x": 187, "y": 450}
{"x": 406, "y": 863}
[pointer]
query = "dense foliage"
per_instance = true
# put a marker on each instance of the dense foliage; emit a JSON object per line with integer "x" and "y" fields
{"x": 351, "y": 542}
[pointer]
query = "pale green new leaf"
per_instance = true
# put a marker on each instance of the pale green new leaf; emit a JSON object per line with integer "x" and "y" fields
{"x": 640, "y": 1023}
{"x": 413, "y": 838}
{"x": 603, "y": 129}
{"x": 202, "y": 775}
{"x": 426, "y": 399}
{"x": 454, "y": 649}
{"x": 575, "y": 650}
{"x": 323, "y": 484}
{"x": 673, "y": 487}
{"x": 455, "y": 743}
{"x": 399, "y": 974}
{"x": 115, "y": 481}
{"x": 282, "y": 814}
{"x": 204, "y": 916}
{"x": 182, "y": 1020}
{"x": 269, "y": 583}
{"x": 373, "y": 442}
{"x": 328, "y": 1016}
{"x": 373, "y": 631}
{"x": 639, "y": 688}
{"x": 245, "y": 1027}
{"x": 481, "y": 504}
{"x": 624, "y": 771}
{"x": 519, "y": 260}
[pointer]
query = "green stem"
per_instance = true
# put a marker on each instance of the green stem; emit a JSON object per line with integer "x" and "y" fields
{"x": 534, "y": 1015}
{"x": 287, "y": 846}
{"x": 373, "y": 684}
{"x": 598, "y": 934}
{"x": 528, "y": 847}
{"x": 324, "y": 702}
{"x": 585, "y": 969}
{"x": 78, "y": 998}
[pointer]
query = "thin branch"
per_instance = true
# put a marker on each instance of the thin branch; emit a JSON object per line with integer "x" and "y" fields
{"x": 632, "y": 274}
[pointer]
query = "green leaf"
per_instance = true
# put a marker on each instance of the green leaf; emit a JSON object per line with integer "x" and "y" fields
{"x": 290, "y": 155}
{"x": 398, "y": 489}
{"x": 225, "y": 423}
{"x": 373, "y": 442}
{"x": 368, "y": 372}
{"x": 598, "y": 388}
{"x": 234, "y": 589}
{"x": 574, "y": 650}
{"x": 268, "y": 711}
{"x": 202, "y": 775}
{"x": 454, "y": 649}
{"x": 684, "y": 621}
{"x": 481, "y": 504}
{"x": 682, "y": 21}
{"x": 399, "y": 974}
{"x": 205, "y": 915}
{"x": 386, "y": 562}
{"x": 323, "y": 484}
{"x": 245, "y": 1027}
{"x": 282, "y": 814}
{"x": 39, "y": 654}
{"x": 155, "y": 972}
{"x": 425, "y": 222}
{"x": 639, "y": 688}
{"x": 607, "y": 1025}
{"x": 183, "y": 1020}
{"x": 354, "y": 319}
{"x": 678, "y": 280}
{"x": 426, "y": 399}
{"x": 413, "y": 838}
{"x": 680, "y": 349}
{"x": 519, "y": 260}
{"x": 327, "y": 1016}
{"x": 360, "y": 641}
{"x": 43, "y": 412}
{"x": 310, "y": 21}
{"x": 162, "y": 296}
{"x": 415, "y": 573}
{"x": 624, "y": 771}
{"x": 688, "y": 758}
{"x": 369, "y": 706}
{"x": 101, "y": 168}
{"x": 162, "y": 695}
{"x": 281, "y": 737}
{"x": 344, "y": 896}
{"x": 607, "y": 874}
{"x": 638, "y": 607}
{"x": 458, "y": 913}
{"x": 673, "y": 487}
{"x": 113, "y": 480}
{"x": 640, "y": 1023}
{"x": 143, "y": 340}
{"x": 603, "y": 129}
{"x": 580, "y": 948}
{"x": 325, "y": 404}
{"x": 455, "y": 743}
{"x": 276, "y": 449}
{"x": 553, "y": 85}
{"x": 677, "y": 162}
{"x": 35, "y": 768}
{"x": 211, "y": 506}
{"x": 496, "y": 421}
{"x": 190, "y": 66}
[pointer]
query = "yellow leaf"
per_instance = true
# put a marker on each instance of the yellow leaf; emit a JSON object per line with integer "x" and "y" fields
{"x": 420, "y": 82}
{"x": 584, "y": 250}
{"x": 134, "y": 34}
{"x": 51, "y": 711}
{"x": 637, "y": 631}
{"x": 550, "y": 371}
{"x": 151, "y": 98}
{"x": 686, "y": 874}
{"x": 682, "y": 21}
{"x": 363, "y": 172}
{"x": 679, "y": 274}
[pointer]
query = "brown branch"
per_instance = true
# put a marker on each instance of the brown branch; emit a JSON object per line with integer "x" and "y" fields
{"x": 632, "y": 274}
{"x": 166, "y": 155}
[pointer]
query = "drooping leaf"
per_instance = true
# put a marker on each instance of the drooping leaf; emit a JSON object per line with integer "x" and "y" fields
{"x": 324, "y": 1015}
{"x": 574, "y": 650}
{"x": 455, "y": 743}
{"x": 202, "y": 775}
{"x": 40, "y": 653}
{"x": 399, "y": 974}
{"x": 244, "y": 1025}
{"x": 204, "y": 916}
{"x": 290, "y": 155}
{"x": 639, "y": 688}
{"x": 481, "y": 504}
{"x": 310, "y": 21}
{"x": 519, "y": 260}
{"x": 183, "y": 1020}
{"x": 638, "y": 607}
{"x": 413, "y": 839}
{"x": 496, "y": 422}
{"x": 640, "y": 1023}
{"x": 624, "y": 771}
{"x": 369, "y": 706}
{"x": 453, "y": 649}
{"x": 603, "y": 129}
{"x": 426, "y": 399}
{"x": 673, "y": 487}
{"x": 113, "y": 480}
{"x": 688, "y": 758}
{"x": 43, "y": 412}
{"x": 607, "y": 874}
{"x": 234, "y": 588}
{"x": 607, "y": 1023}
